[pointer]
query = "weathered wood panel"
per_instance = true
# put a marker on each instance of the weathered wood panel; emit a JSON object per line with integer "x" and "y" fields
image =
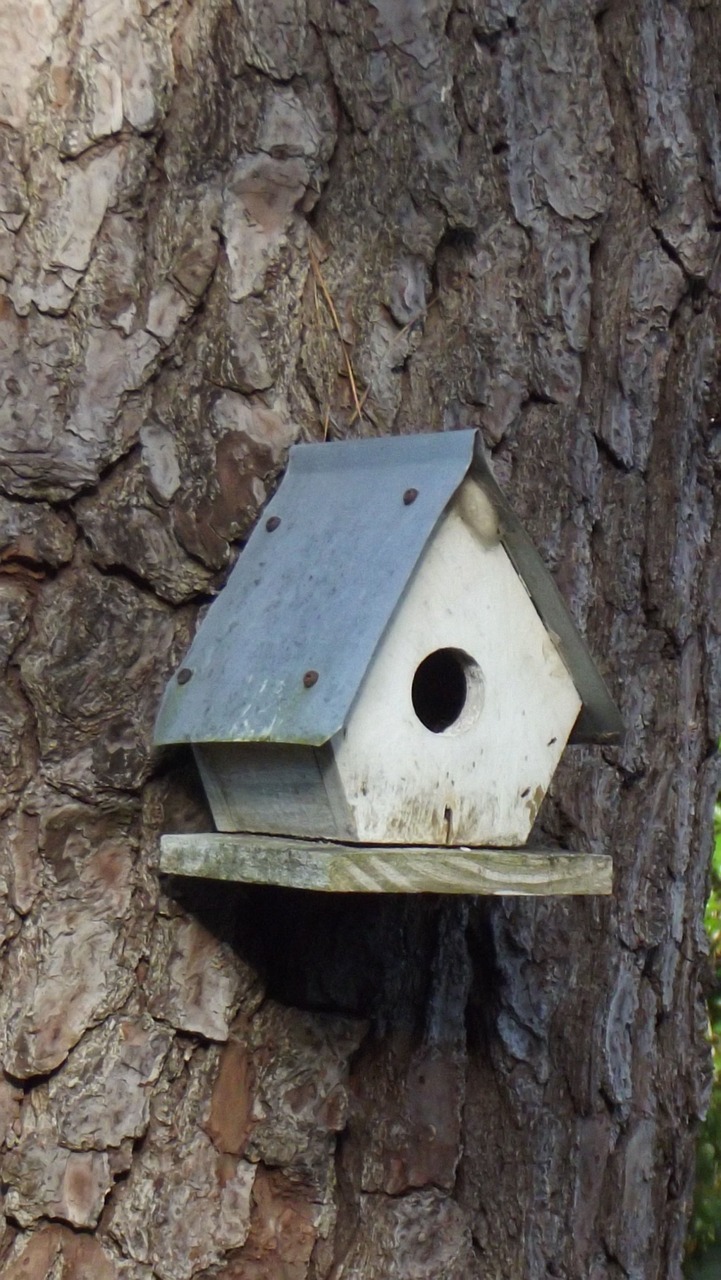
{"x": 263, "y": 787}
{"x": 338, "y": 868}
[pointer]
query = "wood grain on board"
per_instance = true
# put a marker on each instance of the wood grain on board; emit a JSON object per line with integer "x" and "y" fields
{"x": 307, "y": 864}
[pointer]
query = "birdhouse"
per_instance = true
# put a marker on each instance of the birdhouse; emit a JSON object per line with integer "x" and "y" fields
{"x": 381, "y": 694}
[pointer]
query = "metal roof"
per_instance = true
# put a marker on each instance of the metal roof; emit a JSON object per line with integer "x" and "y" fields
{"x": 318, "y": 582}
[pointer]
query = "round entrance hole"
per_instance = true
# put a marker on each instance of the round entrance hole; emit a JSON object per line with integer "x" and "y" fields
{"x": 446, "y": 684}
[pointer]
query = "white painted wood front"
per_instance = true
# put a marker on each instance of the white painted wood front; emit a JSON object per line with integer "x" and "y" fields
{"x": 481, "y": 780}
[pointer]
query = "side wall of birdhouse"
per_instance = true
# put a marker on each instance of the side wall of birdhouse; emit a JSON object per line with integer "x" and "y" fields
{"x": 278, "y": 790}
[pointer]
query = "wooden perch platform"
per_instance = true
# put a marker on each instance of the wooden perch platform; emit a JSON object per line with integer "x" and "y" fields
{"x": 347, "y": 868}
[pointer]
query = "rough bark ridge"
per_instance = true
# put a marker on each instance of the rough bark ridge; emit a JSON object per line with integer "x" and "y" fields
{"x": 489, "y": 212}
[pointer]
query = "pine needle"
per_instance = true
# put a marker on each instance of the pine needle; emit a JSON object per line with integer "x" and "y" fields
{"x": 318, "y": 279}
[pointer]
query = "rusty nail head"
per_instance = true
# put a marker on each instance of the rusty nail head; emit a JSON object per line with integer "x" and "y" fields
{"x": 410, "y": 496}
{"x": 272, "y": 523}
{"x": 184, "y": 675}
{"x": 310, "y": 678}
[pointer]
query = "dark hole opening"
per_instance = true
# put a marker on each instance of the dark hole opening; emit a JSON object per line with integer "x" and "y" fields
{"x": 439, "y": 689}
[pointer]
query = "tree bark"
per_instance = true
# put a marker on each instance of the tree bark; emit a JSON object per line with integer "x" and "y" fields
{"x": 225, "y": 227}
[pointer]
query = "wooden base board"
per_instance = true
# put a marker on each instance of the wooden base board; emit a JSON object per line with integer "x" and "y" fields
{"x": 347, "y": 868}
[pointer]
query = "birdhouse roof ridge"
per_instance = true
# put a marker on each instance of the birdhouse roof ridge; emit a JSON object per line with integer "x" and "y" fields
{"x": 282, "y": 653}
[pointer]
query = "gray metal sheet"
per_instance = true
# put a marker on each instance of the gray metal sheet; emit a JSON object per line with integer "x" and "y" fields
{"x": 316, "y": 594}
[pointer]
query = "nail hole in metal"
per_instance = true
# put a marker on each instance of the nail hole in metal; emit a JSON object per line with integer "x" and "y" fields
{"x": 184, "y": 675}
{"x": 272, "y": 523}
{"x": 310, "y": 678}
{"x": 410, "y": 496}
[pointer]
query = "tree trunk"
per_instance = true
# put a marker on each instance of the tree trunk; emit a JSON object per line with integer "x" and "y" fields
{"x": 226, "y": 227}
